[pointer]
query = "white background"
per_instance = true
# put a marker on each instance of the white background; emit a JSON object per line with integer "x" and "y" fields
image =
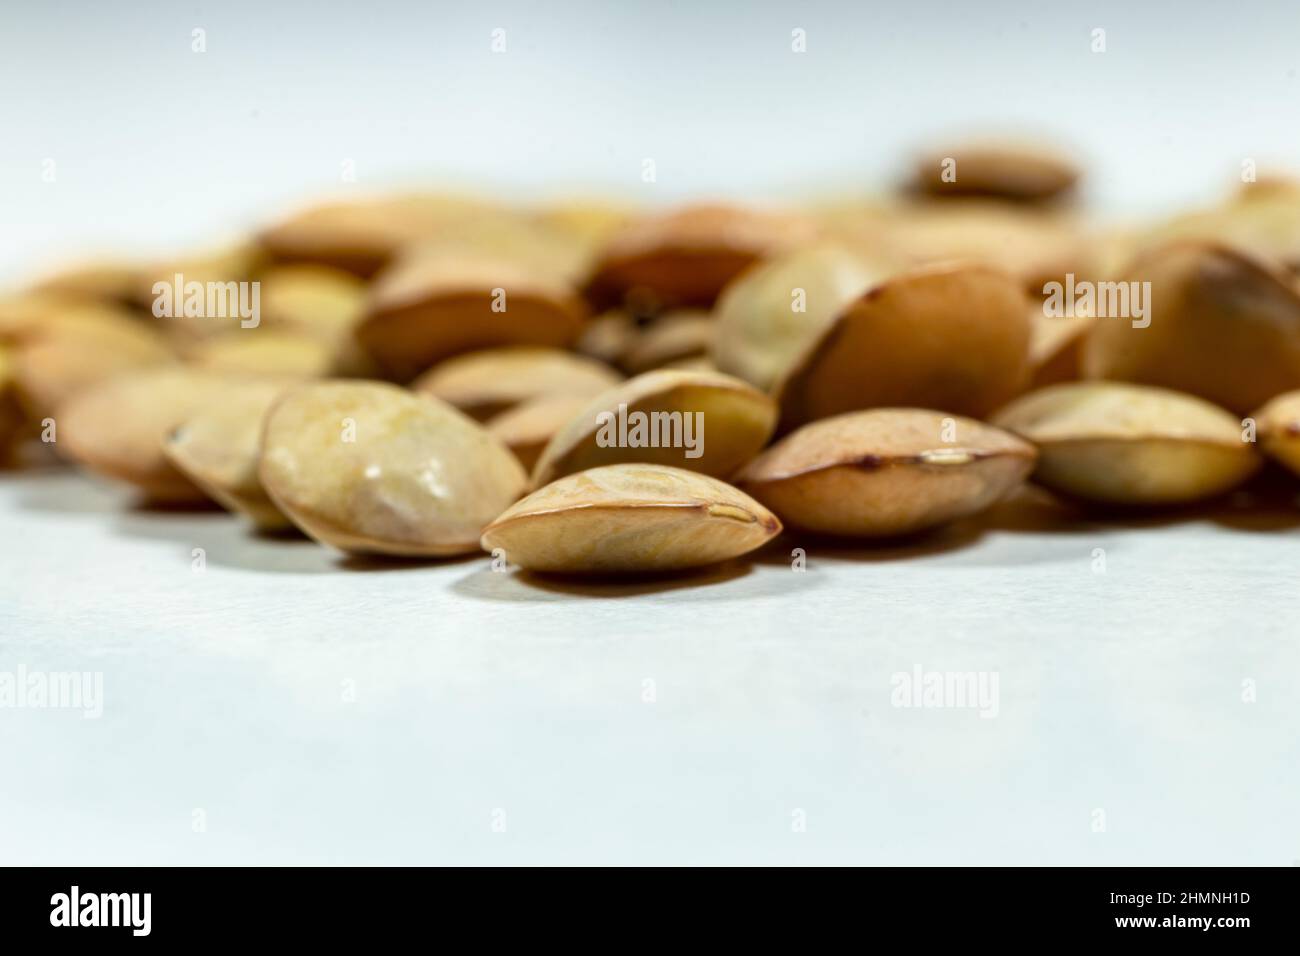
{"x": 479, "y": 692}
{"x": 155, "y": 145}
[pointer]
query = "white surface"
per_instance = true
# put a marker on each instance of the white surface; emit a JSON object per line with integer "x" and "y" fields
{"x": 477, "y": 691}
